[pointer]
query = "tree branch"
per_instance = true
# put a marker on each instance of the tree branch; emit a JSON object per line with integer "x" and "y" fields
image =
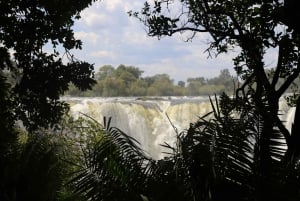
{"x": 288, "y": 81}
{"x": 279, "y": 65}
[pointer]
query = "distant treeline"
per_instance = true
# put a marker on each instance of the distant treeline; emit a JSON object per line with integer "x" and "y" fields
{"x": 128, "y": 81}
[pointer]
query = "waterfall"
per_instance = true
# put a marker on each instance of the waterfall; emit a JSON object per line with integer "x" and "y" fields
{"x": 149, "y": 121}
{"x": 152, "y": 122}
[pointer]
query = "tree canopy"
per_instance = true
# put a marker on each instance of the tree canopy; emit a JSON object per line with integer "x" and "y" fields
{"x": 253, "y": 28}
{"x": 27, "y": 29}
{"x": 243, "y": 153}
{"x": 129, "y": 81}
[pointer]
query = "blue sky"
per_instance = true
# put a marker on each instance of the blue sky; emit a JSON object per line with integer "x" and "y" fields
{"x": 110, "y": 36}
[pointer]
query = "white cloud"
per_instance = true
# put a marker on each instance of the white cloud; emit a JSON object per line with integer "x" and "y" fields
{"x": 112, "y": 5}
{"x": 104, "y": 54}
{"x": 136, "y": 38}
{"x": 179, "y": 70}
{"x": 110, "y": 36}
{"x": 90, "y": 37}
{"x": 92, "y": 18}
{"x": 97, "y": 14}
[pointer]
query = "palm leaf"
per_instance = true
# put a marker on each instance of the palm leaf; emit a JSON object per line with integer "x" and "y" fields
{"x": 114, "y": 168}
{"x": 217, "y": 153}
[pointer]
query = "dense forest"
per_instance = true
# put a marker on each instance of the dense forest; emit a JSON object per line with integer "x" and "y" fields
{"x": 129, "y": 81}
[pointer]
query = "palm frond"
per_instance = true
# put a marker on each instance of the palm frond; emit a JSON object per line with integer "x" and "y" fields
{"x": 217, "y": 153}
{"x": 114, "y": 168}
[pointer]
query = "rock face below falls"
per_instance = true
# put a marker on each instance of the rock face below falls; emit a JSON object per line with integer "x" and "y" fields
{"x": 152, "y": 122}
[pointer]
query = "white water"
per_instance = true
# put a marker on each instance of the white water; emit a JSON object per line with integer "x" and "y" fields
{"x": 150, "y": 121}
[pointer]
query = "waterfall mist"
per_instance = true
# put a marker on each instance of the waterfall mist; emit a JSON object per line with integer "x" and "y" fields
{"x": 152, "y": 122}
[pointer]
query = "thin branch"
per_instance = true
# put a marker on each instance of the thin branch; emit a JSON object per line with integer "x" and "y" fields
{"x": 187, "y": 29}
{"x": 242, "y": 88}
{"x": 279, "y": 65}
{"x": 236, "y": 24}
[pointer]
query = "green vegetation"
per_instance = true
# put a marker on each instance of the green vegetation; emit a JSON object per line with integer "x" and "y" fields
{"x": 215, "y": 159}
{"x": 252, "y": 28}
{"x": 128, "y": 81}
{"x": 40, "y": 76}
{"x": 243, "y": 153}
{"x": 32, "y": 80}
